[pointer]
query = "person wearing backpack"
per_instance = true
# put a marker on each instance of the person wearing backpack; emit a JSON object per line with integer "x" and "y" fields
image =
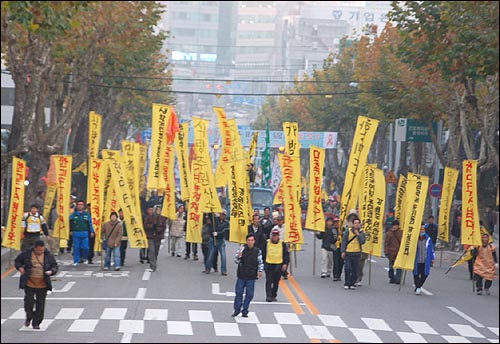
{"x": 33, "y": 224}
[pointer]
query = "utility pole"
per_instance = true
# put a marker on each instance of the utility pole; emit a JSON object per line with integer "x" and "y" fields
{"x": 437, "y": 166}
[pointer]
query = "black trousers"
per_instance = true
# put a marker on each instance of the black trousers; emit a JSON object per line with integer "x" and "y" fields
{"x": 123, "y": 251}
{"x": 191, "y": 246}
{"x": 273, "y": 276}
{"x": 420, "y": 277}
{"x": 91, "y": 247}
{"x": 35, "y": 297}
{"x": 351, "y": 267}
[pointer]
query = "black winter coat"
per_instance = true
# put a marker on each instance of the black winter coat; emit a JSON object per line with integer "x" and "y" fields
{"x": 23, "y": 260}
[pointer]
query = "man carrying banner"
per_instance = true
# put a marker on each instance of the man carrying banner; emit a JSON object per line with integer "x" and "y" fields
{"x": 352, "y": 242}
{"x": 33, "y": 224}
{"x": 424, "y": 259}
{"x": 392, "y": 243}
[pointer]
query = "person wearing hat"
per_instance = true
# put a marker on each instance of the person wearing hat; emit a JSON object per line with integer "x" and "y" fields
{"x": 328, "y": 245}
{"x": 391, "y": 248}
{"x": 280, "y": 226}
{"x": 276, "y": 258}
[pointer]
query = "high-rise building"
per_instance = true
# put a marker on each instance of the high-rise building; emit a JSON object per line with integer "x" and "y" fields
{"x": 255, "y": 44}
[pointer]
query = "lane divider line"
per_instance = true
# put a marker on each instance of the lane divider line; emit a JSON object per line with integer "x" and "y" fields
{"x": 291, "y": 298}
{"x": 312, "y": 308}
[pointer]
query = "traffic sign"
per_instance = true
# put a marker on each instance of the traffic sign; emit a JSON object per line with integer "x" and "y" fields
{"x": 391, "y": 178}
{"x": 435, "y": 190}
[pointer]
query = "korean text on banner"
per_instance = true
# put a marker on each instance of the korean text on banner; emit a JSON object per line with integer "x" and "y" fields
{"x": 471, "y": 234}
{"x": 315, "y": 218}
{"x": 63, "y": 174}
{"x": 449, "y": 184}
{"x": 12, "y": 236}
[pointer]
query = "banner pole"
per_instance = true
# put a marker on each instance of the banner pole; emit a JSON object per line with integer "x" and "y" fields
{"x": 314, "y": 255}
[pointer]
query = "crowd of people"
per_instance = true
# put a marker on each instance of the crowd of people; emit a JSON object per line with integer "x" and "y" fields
{"x": 264, "y": 251}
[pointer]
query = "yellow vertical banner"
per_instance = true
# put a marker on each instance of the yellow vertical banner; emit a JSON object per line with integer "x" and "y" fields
{"x": 238, "y": 195}
{"x": 181, "y": 149}
{"x": 471, "y": 234}
{"x": 110, "y": 199}
{"x": 135, "y": 229}
{"x": 12, "y": 235}
{"x": 131, "y": 153}
{"x": 315, "y": 218}
{"x": 143, "y": 156}
{"x": 361, "y": 143}
{"x": 209, "y": 198}
{"x": 63, "y": 174}
{"x": 97, "y": 174}
{"x": 95, "y": 123}
{"x": 168, "y": 208}
{"x": 161, "y": 115}
{"x": 293, "y": 213}
{"x": 195, "y": 215}
{"x": 253, "y": 146}
{"x": 449, "y": 184}
{"x": 416, "y": 191}
{"x": 227, "y": 147}
{"x": 400, "y": 199}
{"x": 371, "y": 209}
{"x": 50, "y": 195}
{"x": 292, "y": 148}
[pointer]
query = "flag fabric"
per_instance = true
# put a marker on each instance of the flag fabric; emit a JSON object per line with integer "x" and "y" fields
{"x": 81, "y": 168}
{"x": 470, "y": 215}
{"x": 172, "y": 126}
{"x": 276, "y": 175}
{"x": 12, "y": 236}
{"x": 315, "y": 218}
{"x": 449, "y": 184}
{"x": 63, "y": 176}
{"x": 465, "y": 257}
{"x": 266, "y": 159}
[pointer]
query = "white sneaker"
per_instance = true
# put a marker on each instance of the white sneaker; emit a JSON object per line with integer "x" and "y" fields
{"x": 346, "y": 287}
{"x": 74, "y": 264}
{"x": 357, "y": 284}
{"x": 85, "y": 261}
{"x": 487, "y": 291}
{"x": 418, "y": 291}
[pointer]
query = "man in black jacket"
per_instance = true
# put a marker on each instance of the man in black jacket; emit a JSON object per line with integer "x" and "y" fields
{"x": 36, "y": 265}
{"x": 250, "y": 267}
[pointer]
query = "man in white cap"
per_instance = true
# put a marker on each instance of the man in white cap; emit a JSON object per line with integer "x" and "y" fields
{"x": 276, "y": 257}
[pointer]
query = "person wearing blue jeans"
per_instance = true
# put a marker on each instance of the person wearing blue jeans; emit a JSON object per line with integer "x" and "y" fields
{"x": 250, "y": 267}
{"x": 217, "y": 243}
{"x": 112, "y": 232}
{"x": 80, "y": 226}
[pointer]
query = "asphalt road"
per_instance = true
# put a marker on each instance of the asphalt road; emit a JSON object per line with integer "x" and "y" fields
{"x": 178, "y": 303}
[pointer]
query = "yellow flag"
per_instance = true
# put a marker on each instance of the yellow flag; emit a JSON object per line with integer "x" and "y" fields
{"x": 12, "y": 235}
{"x": 253, "y": 146}
{"x": 400, "y": 199}
{"x": 111, "y": 198}
{"x": 181, "y": 149}
{"x": 209, "y": 198}
{"x": 161, "y": 114}
{"x": 371, "y": 209}
{"x": 315, "y": 218}
{"x": 470, "y": 215}
{"x": 238, "y": 193}
{"x": 227, "y": 148}
{"x": 63, "y": 174}
{"x": 168, "y": 208}
{"x": 95, "y": 122}
{"x": 97, "y": 173}
{"x": 466, "y": 257}
{"x": 449, "y": 183}
{"x": 292, "y": 148}
{"x": 50, "y": 195}
{"x": 135, "y": 229}
{"x": 361, "y": 143}
{"x": 143, "y": 155}
{"x": 81, "y": 168}
{"x": 293, "y": 213}
{"x": 416, "y": 188}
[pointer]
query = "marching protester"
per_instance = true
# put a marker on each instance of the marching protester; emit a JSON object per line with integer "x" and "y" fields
{"x": 35, "y": 265}
{"x": 328, "y": 246}
{"x": 112, "y": 232}
{"x": 176, "y": 231}
{"x": 80, "y": 225}
{"x": 154, "y": 225}
{"x": 352, "y": 242}
{"x": 424, "y": 259}
{"x": 250, "y": 267}
{"x": 391, "y": 248}
{"x": 276, "y": 257}
{"x": 484, "y": 266}
{"x": 338, "y": 262}
{"x": 33, "y": 224}
{"x": 217, "y": 243}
